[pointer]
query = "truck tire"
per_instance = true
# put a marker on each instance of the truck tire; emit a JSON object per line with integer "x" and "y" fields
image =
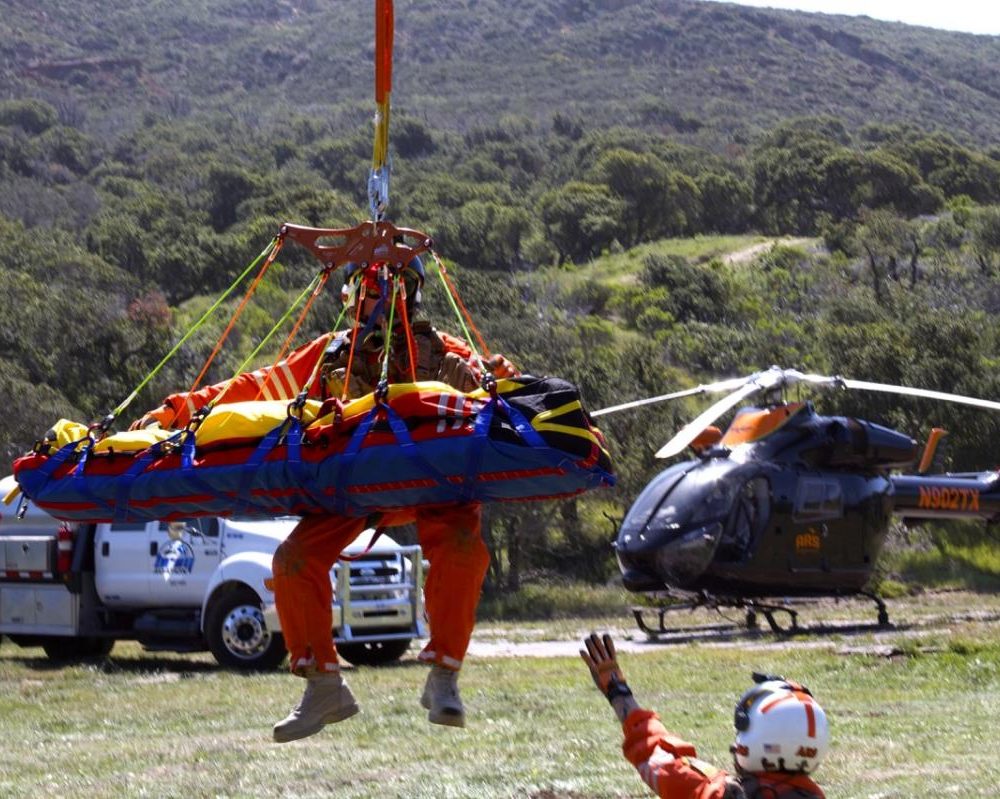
{"x": 237, "y": 634}
{"x": 374, "y": 653}
{"x": 65, "y": 649}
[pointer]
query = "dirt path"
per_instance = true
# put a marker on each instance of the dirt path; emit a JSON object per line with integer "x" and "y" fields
{"x": 747, "y": 254}
{"x": 847, "y": 630}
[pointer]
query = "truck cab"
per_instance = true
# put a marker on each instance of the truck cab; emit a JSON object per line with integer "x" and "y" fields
{"x": 191, "y": 584}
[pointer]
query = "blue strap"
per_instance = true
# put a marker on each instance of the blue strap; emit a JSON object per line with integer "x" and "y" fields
{"x": 523, "y": 427}
{"x": 535, "y": 440}
{"x": 249, "y": 468}
{"x": 300, "y": 474}
{"x": 56, "y": 460}
{"x": 79, "y": 483}
{"x": 123, "y": 486}
{"x": 481, "y": 432}
{"x": 345, "y": 463}
{"x": 409, "y": 449}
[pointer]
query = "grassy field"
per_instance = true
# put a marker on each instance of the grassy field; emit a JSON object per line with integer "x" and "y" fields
{"x": 913, "y": 712}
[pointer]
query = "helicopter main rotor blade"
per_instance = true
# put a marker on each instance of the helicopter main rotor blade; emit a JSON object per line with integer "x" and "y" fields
{"x": 920, "y": 392}
{"x": 690, "y": 431}
{"x": 722, "y": 385}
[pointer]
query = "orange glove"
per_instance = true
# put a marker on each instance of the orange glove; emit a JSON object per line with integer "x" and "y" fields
{"x": 600, "y": 659}
{"x": 161, "y": 416}
{"x": 501, "y": 367}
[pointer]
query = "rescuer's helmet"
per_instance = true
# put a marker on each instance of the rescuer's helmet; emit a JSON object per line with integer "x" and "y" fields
{"x": 779, "y": 727}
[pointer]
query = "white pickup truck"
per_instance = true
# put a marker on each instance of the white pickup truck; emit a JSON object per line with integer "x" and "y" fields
{"x": 185, "y": 586}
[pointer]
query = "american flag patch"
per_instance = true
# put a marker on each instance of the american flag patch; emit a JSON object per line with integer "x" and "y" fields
{"x": 772, "y": 749}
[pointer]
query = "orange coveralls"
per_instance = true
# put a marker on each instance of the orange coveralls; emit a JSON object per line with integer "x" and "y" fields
{"x": 450, "y": 536}
{"x": 670, "y": 766}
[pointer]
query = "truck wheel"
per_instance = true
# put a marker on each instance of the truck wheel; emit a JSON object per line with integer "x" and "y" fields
{"x": 68, "y": 649}
{"x": 237, "y": 634}
{"x": 374, "y": 653}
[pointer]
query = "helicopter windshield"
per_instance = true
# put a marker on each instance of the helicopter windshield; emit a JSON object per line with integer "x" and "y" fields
{"x": 689, "y": 493}
{"x": 689, "y": 515}
{"x": 652, "y": 496}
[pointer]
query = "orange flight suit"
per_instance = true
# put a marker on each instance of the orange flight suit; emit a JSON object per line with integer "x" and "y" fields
{"x": 670, "y": 766}
{"x": 450, "y": 536}
{"x": 451, "y": 540}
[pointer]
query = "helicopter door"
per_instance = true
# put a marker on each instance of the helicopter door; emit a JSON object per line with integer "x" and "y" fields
{"x": 746, "y": 522}
{"x": 819, "y": 502}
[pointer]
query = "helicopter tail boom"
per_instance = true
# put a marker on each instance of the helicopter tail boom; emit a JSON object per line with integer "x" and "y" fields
{"x": 949, "y": 496}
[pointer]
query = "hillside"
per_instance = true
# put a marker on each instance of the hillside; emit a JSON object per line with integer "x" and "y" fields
{"x": 599, "y": 175}
{"x": 712, "y": 73}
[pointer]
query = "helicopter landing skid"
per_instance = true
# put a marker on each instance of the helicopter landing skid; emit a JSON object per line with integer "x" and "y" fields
{"x": 661, "y": 628}
{"x": 767, "y": 611}
{"x": 752, "y": 607}
{"x": 883, "y": 613}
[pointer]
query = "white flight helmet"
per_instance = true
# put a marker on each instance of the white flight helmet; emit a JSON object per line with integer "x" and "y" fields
{"x": 779, "y": 727}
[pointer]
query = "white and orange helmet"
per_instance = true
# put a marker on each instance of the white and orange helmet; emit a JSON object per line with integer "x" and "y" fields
{"x": 779, "y": 727}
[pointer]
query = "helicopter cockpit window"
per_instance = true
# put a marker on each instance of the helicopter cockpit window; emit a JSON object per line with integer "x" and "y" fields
{"x": 747, "y": 519}
{"x": 817, "y": 500}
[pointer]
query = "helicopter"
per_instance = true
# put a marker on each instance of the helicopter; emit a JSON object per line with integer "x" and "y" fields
{"x": 786, "y": 502}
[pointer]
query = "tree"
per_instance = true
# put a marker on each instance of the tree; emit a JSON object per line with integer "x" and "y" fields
{"x": 882, "y": 236}
{"x": 581, "y": 219}
{"x": 855, "y": 180}
{"x": 984, "y": 237}
{"x": 227, "y": 186}
{"x": 658, "y": 201}
{"x": 788, "y": 184}
{"x": 32, "y": 116}
{"x": 726, "y": 202}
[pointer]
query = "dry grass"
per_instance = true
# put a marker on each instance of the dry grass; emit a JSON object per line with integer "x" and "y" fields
{"x": 916, "y": 722}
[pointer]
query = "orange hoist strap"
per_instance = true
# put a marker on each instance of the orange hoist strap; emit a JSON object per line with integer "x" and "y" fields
{"x": 358, "y": 302}
{"x": 459, "y": 306}
{"x": 237, "y": 313}
{"x": 411, "y": 349}
{"x": 270, "y": 376}
{"x": 375, "y": 537}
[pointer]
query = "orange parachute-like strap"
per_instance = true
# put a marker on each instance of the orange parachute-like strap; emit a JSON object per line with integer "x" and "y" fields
{"x": 237, "y": 313}
{"x": 459, "y": 307}
{"x": 378, "y": 178}
{"x": 384, "y": 30}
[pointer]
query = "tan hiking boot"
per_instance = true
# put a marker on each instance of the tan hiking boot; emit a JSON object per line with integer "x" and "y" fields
{"x": 441, "y": 698}
{"x": 326, "y": 700}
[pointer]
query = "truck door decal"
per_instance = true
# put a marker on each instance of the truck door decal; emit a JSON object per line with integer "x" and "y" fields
{"x": 174, "y": 558}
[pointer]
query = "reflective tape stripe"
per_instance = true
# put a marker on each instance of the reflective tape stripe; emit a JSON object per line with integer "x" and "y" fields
{"x": 442, "y": 660}
{"x": 263, "y": 385}
{"x": 19, "y": 575}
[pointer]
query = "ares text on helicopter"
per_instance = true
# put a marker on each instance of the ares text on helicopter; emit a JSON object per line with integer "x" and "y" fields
{"x": 786, "y": 503}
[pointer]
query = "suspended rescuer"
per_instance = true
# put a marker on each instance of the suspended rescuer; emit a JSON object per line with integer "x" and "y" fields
{"x": 781, "y": 737}
{"x": 351, "y": 365}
